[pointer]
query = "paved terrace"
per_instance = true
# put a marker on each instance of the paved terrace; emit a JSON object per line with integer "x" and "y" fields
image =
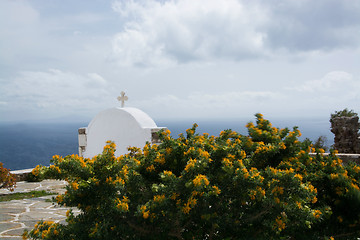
{"x": 18, "y": 215}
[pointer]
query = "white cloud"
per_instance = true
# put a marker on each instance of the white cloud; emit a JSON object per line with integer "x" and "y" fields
{"x": 95, "y": 81}
{"x": 336, "y": 81}
{"x": 336, "y": 90}
{"x": 222, "y": 99}
{"x": 55, "y": 89}
{"x": 197, "y": 104}
{"x": 17, "y": 14}
{"x": 39, "y": 36}
{"x": 183, "y": 31}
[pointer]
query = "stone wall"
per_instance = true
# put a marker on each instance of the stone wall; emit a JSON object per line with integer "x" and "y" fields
{"x": 347, "y": 137}
{"x": 21, "y": 175}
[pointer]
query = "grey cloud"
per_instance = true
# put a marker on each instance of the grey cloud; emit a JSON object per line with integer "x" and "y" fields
{"x": 313, "y": 25}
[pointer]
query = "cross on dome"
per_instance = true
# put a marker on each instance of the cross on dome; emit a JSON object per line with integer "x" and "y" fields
{"x": 122, "y": 98}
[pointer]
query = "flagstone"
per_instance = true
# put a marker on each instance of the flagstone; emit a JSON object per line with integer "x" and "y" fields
{"x": 18, "y": 215}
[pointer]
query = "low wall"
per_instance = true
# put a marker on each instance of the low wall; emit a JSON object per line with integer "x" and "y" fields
{"x": 345, "y": 157}
{"x": 21, "y": 175}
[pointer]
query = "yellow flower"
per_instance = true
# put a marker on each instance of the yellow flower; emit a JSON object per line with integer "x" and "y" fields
{"x": 145, "y": 213}
{"x": 137, "y": 162}
{"x": 280, "y": 225}
{"x": 122, "y": 205}
{"x": 174, "y": 196}
{"x": 119, "y": 180}
{"x": 298, "y": 176}
{"x": 227, "y": 162}
{"x": 190, "y": 164}
{"x": 75, "y": 185}
{"x": 216, "y": 190}
{"x": 159, "y": 198}
{"x": 245, "y": 172}
{"x": 192, "y": 201}
{"x": 355, "y": 186}
{"x": 58, "y": 169}
{"x": 191, "y": 149}
{"x": 95, "y": 180}
{"x": 109, "y": 180}
{"x": 150, "y": 168}
{"x": 125, "y": 170}
{"x": 282, "y": 145}
{"x": 186, "y": 209}
{"x": 59, "y": 198}
{"x": 316, "y": 213}
{"x": 199, "y": 179}
{"x": 261, "y": 191}
{"x": 249, "y": 125}
{"x": 146, "y": 150}
{"x": 95, "y": 229}
{"x": 168, "y": 173}
{"x": 356, "y": 168}
{"x": 160, "y": 158}
{"x": 278, "y": 190}
{"x": 204, "y": 154}
{"x": 168, "y": 150}
{"x": 44, "y": 233}
{"x": 252, "y": 194}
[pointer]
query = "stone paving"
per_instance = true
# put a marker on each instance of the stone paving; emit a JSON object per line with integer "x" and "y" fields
{"x": 18, "y": 215}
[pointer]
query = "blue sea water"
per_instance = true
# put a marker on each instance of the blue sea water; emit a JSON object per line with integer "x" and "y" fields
{"x": 27, "y": 145}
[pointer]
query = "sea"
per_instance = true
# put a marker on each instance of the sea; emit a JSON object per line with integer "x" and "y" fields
{"x": 25, "y": 145}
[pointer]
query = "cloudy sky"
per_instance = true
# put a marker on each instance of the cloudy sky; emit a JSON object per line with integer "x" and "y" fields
{"x": 181, "y": 59}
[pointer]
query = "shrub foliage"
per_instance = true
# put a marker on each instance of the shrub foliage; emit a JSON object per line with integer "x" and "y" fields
{"x": 344, "y": 113}
{"x": 265, "y": 185}
{"x": 7, "y": 180}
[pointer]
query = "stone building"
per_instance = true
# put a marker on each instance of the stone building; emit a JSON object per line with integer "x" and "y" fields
{"x": 346, "y": 130}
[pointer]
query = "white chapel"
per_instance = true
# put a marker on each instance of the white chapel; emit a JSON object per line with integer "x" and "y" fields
{"x": 126, "y": 126}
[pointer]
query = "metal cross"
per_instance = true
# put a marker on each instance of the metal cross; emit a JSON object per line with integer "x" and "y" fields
{"x": 122, "y": 98}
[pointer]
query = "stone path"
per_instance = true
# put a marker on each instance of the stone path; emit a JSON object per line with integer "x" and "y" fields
{"x": 18, "y": 215}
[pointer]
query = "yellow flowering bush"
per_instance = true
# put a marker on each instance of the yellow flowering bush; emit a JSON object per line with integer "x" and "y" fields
{"x": 265, "y": 185}
{"x": 37, "y": 174}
